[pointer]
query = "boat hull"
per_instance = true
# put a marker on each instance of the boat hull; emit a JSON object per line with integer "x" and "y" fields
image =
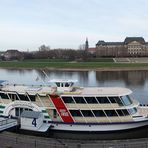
{"x": 141, "y": 132}
{"x": 102, "y": 132}
{"x": 133, "y": 131}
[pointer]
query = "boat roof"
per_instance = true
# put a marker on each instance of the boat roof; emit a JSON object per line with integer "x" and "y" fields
{"x": 62, "y": 81}
{"x": 96, "y": 91}
{"x": 106, "y": 91}
{"x": 30, "y": 114}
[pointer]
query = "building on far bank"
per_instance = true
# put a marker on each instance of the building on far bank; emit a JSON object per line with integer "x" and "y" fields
{"x": 12, "y": 55}
{"x": 130, "y": 47}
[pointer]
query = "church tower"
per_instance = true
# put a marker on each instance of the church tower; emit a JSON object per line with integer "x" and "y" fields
{"x": 86, "y": 44}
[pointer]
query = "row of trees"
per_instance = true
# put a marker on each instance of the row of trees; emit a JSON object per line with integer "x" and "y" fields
{"x": 46, "y": 53}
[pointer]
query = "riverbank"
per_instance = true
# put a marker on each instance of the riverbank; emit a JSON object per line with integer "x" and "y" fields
{"x": 74, "y": 66}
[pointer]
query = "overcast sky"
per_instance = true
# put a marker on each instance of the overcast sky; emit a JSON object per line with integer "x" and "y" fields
{"x": 27, "y": 24}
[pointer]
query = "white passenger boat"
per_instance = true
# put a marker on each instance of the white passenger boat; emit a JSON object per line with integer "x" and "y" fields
{"x": 76, "y": 112}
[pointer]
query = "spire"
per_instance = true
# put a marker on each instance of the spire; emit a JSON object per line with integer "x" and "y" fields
{"x": 86, "y": 44}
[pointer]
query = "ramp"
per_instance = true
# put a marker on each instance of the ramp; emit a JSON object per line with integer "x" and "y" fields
{"x": 6, "y": 123}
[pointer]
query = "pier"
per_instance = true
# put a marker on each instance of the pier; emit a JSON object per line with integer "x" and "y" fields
{"x": 7, "y": 123}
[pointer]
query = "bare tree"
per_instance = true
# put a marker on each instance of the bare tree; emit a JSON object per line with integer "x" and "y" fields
{"x": 44, "y": 48}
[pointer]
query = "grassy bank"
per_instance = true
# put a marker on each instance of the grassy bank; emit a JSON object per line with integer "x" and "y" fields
{"x": 72, "y": 65}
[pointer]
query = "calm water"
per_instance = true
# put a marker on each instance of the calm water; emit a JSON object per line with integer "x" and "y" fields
{"x": 137, "y": 81}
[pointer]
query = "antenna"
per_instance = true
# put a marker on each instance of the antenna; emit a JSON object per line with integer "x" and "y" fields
{"x": 45, "y": 74}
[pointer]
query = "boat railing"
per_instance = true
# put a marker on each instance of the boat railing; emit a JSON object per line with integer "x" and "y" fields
{"x": 6, "y": 121}
{"x": 134, "y": 102}
{"x": 30, "y": 85}
{"x": 18, "y": 97}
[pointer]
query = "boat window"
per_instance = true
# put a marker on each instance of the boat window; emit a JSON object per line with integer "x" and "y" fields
{"x": 132, "y": 110}
{"x": 125, "y": 112}
{"x": 32, "y": 97}
{"x": 118, "y": 100}
{"x": 55, "y": 114}
{"x": 126, "y": 100}
{"x": 75, "y": 113}
{"x": 103, "y": 100}
{"x": 4, "y": 96}
{"x": 58, "y": 84}
{"x": 26, "y": 98}
{"x": 79, "y": 100}
{"x": 113, "y": 99}
{"x": 67, "y": 99}
{"x": 13, "y": 97}
{"x": 62, "y": 85}
{"x": 99, "y": 113}
{"x": 87, "y": 113}
{"x": 71, "y": 84}
{"x": 91, "y": 100}
{"x": 66, "y": 84}
{"x": 120, "y": 112}
{"x": 111, "y": 113}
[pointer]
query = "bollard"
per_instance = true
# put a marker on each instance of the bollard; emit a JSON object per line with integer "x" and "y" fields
{"x": 16, "y": 140}
{"x": 35, "y": 143}
{"x": 78, "y": 145}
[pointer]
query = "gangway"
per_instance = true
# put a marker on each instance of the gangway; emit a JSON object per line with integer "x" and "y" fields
{"x": 7, "y": 123}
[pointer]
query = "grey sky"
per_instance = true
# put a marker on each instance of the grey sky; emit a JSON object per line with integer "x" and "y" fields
{"x": 27, "y": 24}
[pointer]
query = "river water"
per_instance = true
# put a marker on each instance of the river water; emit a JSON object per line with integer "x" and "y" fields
{"x": 137, "y": 81}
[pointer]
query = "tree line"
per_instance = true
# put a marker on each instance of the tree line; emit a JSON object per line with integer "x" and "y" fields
{"x": 45, "y": 52}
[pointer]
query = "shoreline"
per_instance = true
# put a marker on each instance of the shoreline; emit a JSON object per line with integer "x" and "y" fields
{"x": 80, "y": 69}
{"x": 79, "y": 66}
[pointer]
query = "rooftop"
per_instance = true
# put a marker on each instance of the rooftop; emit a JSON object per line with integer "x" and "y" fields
{"x": 126, "y": 41}
{"x": 131, "y": 39}
{"x": 109, "y": 43}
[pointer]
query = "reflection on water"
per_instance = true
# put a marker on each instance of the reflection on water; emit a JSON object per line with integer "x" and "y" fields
{"x": 130, "y": 78}
{"x": 135, "y": 80}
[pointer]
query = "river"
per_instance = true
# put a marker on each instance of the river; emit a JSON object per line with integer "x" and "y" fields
{"x": 137, "y": 81}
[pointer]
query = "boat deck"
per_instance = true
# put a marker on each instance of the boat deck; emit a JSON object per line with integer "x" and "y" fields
{"x": 143, "y": 110}
{"x": 22, "y": 89}
{"x": 40, "y": 89}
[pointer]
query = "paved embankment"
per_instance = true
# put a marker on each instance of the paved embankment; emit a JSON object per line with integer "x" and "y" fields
{"x": 12, "y": 140}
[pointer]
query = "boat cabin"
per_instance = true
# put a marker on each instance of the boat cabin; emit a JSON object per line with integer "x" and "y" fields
{"x": 31, "y": 120}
